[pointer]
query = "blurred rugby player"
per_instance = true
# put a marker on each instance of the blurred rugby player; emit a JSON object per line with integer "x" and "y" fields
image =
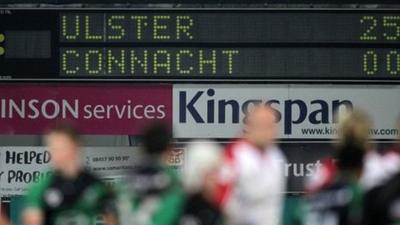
{"x": 385, "y": 164}
{"x": 340, "y": 202}
{"x": 70, "y": 195}
{"x": 153, "y": 194}
{"x": 355, "y": 126}
{"x": 380, "y": 167}
{"x": 200, "y": 179}
{"x": 253, "y": 179}
{"x": 382, "y": 202}
{"x": 337, "y": 198}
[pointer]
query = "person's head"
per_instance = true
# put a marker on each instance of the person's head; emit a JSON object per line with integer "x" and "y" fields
{"x": 157, "y": 138}
{"x": 355, "y": 127}
{"x": 63, "y": 144}
{"x": 260, "y": 126}
{"x": 350, "y": 157}
{"x": 200, "y": 175}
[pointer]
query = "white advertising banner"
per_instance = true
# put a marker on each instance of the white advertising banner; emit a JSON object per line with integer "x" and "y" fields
{"x": 21, "y": 166}
{"x": 304, "y": 111}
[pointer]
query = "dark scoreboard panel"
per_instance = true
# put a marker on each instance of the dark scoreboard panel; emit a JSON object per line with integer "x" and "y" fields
{"x": 173, "y": 45}
{"x": 323, "y": 63}
{"x": 229, "y": 27}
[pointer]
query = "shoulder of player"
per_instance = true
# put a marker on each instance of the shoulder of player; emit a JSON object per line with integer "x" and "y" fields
{"x": 277, "y": 153}
{"x": 239, "y": 145}
{"x": 43, "y": 183}
{"x": 36, "y": 191}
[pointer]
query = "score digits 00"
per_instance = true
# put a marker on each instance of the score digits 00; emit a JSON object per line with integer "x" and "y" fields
{"x": 223, "y": 44}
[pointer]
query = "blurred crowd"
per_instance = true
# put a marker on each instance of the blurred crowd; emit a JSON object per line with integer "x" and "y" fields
{"x": 241, "y": 184}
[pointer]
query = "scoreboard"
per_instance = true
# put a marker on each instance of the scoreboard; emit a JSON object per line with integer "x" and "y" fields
{"x": 200, "y": 44}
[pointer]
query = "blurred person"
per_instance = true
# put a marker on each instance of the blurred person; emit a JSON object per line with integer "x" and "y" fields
{"x": 70, "y": 195}
{"x": 331, "y": 177}
{"x": 381, "y": 166}
{"x": 353, "y": 127}
{"x": 339, "y": 202}
{"x": 200, "y": 178}
{"x": 382, "y": 202}
{"x": 253, "y": 180}
{"x": 152, "y": 194}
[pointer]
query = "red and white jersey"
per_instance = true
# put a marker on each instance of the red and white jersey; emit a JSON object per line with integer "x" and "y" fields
{"x": 379, "y": 168}
{"x": 323, "y": 176}
{"x": 252, "y": 184}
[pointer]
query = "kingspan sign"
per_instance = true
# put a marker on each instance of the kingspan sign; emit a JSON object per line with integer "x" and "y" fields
{"x": 304, "y": 111}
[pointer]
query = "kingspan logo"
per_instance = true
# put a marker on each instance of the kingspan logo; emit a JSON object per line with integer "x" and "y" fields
{"x": 205, "y": 108}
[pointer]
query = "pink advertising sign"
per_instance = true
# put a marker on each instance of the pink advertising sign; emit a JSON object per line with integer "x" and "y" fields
{"x": 93, "y": 109}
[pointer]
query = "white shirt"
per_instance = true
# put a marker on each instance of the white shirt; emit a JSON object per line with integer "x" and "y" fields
{"x": 379, "y": 168}
{"x": 257, "y": 183}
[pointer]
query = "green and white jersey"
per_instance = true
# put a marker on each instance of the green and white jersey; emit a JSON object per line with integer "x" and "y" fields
{"x": 65, "y": 201}
{"x": 337, "y": 204}
{"x": 152, "y": 195}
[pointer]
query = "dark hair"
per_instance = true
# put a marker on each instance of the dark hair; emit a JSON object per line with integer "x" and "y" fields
{"x": 157, "y": 137}
{"x": 350, "y": 156}
{"x": 66, "y": 129}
